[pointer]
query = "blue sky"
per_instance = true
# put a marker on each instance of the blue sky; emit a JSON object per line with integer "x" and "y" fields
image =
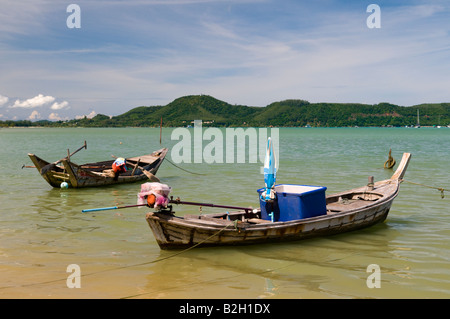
{"x": 251, "y": 52}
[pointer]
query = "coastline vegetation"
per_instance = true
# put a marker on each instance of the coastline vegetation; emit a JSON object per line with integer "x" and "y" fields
{"x": 288, "y": 113}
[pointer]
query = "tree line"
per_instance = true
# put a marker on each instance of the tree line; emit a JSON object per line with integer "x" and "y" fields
{"x": 288, "y": 113}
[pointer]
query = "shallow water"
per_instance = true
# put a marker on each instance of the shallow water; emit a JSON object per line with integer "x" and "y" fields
{"x": 42, "y": 230}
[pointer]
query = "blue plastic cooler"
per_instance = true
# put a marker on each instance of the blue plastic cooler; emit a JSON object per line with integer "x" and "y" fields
{"x": 294, "y": 202}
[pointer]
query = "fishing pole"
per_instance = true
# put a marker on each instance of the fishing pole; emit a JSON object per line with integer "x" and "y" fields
{"x": 171, "y": 201}
{"x": 178, "y": 201}
{"x": 110, "y": 208}
{"x": 50, "y": 166}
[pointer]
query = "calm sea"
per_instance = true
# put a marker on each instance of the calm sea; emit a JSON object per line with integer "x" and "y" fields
{"x": 43, "y": 231}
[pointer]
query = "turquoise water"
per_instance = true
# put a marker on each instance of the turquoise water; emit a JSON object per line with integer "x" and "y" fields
{"x": 42, "y": 230}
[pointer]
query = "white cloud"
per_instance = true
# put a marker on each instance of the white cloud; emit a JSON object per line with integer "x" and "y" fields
{"x": 3, "y": 100}
{"x": 56, "y": 117}
{"x": 59, "y": 106}
{"x": 34, "y": 115}
{"x": 89, "y": 116}
{"x": 36, "y": 101}
{"x": 21, "y": 17}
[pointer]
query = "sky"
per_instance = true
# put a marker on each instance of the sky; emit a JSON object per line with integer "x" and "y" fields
{"x": 125, "y": 54}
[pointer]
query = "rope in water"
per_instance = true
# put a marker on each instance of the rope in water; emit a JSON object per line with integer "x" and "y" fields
{"x": 442, "y": 190}
{"x": 128, "y": 266}
{"x": 166, "y": 159}
{"x": 233, "y": 276}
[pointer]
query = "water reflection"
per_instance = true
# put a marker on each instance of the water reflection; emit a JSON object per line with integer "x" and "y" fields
{"x": 305, "y": 269}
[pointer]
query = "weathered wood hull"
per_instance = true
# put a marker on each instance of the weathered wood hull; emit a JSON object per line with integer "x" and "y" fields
{"x": 346, "y": 211}
{"x": 96, "y": 174}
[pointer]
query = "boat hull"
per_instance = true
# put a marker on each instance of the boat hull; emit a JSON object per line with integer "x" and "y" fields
{"x": 346, "y": 211}
{"x": 171, "y": 233}
{"x": 95, "y": 174}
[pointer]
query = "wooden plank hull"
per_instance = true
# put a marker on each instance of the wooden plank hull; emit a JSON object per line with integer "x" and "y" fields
{"x": 97, "y": 174}
{"x": 346, "y": 211}
{"x": 176, "y": 232}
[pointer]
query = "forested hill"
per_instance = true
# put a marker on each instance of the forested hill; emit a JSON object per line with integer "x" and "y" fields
{"x": 289, "y": 113}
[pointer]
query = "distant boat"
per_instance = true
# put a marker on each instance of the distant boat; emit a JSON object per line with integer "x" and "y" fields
{"x": 346, "y": 211}
{"x": 418, "y": 120}
{"x": 139, "y": 168}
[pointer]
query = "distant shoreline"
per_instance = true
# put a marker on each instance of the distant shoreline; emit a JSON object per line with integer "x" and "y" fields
{"x": 244, "y": 127}
{"x": 288, "y": 113}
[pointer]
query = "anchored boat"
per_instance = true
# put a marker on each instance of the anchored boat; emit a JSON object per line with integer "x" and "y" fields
{"x": 139, "y": 168}
{"x": 342, "y": 212}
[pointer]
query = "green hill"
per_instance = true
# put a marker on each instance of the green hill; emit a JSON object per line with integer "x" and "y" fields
{"x": 184, "y": 110}
{"x": 213, "y": 112}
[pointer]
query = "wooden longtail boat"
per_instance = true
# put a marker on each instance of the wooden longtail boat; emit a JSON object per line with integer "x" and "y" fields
{"x": 346, "y": 211}
{"x": 139, "y": 168}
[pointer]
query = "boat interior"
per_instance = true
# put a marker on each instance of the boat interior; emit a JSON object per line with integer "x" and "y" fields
{"x": 335, "y": 204}
{"x": 353, "y": 200}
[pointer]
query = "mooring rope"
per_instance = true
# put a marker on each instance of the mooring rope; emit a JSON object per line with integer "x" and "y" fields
{"x": 183, "y": 168}
{"x": 128, "y": 266}
{"x": 258, "y": 273}
{"x": 442, "y": 190}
